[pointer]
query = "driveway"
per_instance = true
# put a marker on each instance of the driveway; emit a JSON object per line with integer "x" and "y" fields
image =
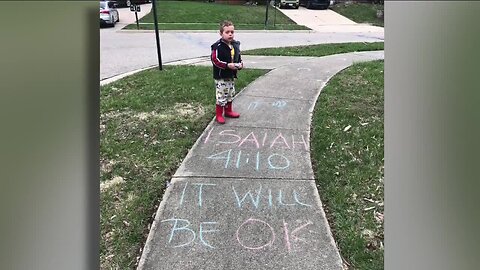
{"x": 123, "y": 51}
{"x": 327, "y": 21}
{"x": 128, "y": 17}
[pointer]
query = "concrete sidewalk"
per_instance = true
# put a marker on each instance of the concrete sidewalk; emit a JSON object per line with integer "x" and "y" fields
{"x": 245, "y": 195}
{"x": 328, "y": 21}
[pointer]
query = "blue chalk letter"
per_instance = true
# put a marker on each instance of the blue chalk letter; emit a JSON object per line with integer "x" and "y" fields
{"x": 205, "y": 231}
{"x": 184, "y": 228}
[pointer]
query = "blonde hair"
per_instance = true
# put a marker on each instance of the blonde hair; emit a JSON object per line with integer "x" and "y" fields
{"x": 225, "y": 24}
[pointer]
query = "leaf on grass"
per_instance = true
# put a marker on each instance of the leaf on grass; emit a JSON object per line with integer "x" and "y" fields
{"x": 115, "y": 181}
{"x": 347, "y": 128}
{"x": 368, "y": 234}
{"x": 378, "y": 217}
{"x": 369, "y": 200}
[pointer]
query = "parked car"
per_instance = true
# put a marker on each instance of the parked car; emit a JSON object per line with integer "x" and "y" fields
{"x": 310, "y": 4}
{"x": 108, "y": 13}
{"x": 288, "y": 3}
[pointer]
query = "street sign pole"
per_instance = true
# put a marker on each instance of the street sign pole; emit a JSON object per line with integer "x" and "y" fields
{"x": 135, "y": 8}
{"x": 154, "y": 5}
{"x": 136, "y": 17}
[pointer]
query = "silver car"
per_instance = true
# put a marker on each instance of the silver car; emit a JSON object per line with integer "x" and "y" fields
{"x": 108, "y": 13}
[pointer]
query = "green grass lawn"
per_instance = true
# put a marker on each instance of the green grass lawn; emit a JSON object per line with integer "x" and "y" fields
{"x": 148, "y": 123}
{"x": 186, "y": 15}
{"x": 318, "y": 50}
{"x": 360, "y": 12}
{"x": 347, "y": 146}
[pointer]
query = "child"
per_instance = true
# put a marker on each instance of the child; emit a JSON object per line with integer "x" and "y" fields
{"x": 226, "y": 60}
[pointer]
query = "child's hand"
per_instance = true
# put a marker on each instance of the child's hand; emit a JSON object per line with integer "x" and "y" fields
{"x": 232, "y": 66}
{"x": 240, "y": 65}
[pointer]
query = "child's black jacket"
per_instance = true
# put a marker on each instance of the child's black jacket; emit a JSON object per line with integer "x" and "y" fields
{"x": 221, "y": 56}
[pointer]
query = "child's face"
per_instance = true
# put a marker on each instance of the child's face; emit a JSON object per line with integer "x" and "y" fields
{"x": 227, "y": 33}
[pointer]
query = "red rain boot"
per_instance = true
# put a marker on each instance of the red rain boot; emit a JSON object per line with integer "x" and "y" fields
{"x": 229, "y": 111}
{"x": 219, "y": 114}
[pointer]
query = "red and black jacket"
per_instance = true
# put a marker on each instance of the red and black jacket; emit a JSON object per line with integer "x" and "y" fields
{"x": 221, "y": 56}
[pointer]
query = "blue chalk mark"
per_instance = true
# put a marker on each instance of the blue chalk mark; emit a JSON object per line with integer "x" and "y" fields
{"x": 279, "y": 103}
{"x": 238, "y": 158}
{"x": 184, "y": 228}
{"x": 270, "y": 203}
{"x": 183, "y": 193}
{"x": 205, "y": 231}
{"x": 278, "y": 168}
{"x": 254, "y": 201}
{"x": 258, "y": 161}
{"x": 280, "y": 200}
{"x": 200, "y": 191}
{"x": 295, "y": 195}
{"x": 254, "y": 105}
{"x": 215, "y": 156}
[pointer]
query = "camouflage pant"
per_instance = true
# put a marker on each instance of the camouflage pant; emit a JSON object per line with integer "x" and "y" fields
{"x": 225, "y": 89}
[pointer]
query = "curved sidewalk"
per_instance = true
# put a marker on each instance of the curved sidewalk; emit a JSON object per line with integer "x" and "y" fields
{"x": 245, "y": 195}
{"x": 328, "y": 21}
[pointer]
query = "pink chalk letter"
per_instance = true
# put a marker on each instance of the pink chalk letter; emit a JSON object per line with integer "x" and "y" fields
{"x": 253, "y": 220}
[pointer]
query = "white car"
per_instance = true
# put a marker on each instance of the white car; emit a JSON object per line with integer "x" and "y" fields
{"x": 289, "y": 3}
{"x": 108, "y": 13}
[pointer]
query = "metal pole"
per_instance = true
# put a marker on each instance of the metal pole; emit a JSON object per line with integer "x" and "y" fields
{"x": 154, "y": 5}
{"x": 275, "y": 13}
{"x": 136, "y": 17}
{"x": 266, "y": 13}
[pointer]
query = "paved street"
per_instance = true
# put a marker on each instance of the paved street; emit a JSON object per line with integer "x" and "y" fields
{"x": 123, "y": 51}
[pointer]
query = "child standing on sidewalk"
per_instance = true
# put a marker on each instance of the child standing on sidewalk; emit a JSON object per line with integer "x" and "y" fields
{"x": 226, "y": 60}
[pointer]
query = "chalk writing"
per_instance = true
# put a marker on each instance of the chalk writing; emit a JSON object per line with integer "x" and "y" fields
{"x": 275, "y": 161}
{"x": 202, "y": 231}
{"x": 259, "y": 194}
{"x": 200, "y": 192}
{"x": 248, "y": 139}
{"x": 254, "y": 201}
{"x": 253, "y": 105}
{"x": 279, "y": 104}
{"x": 274, "y": 166}
{"x": 258, "y": 197}
{"x": 176, "y": 230}
{"x": 253, "y": 220}
{"x": 293, "y": 234}
{"x": 252, "y": 234}
{"x": 258, "y": 140}
{"x": 269, "y": 233}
